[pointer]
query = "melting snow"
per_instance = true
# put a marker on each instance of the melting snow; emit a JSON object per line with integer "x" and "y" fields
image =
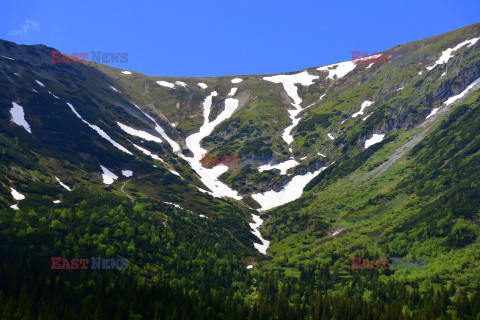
{"x": 18, "y": 116}
{"x": 15, "y": 207}
{"x": 232, "y": 91}
{"x": 371, "y": 64}
{"x": 262, "y": 248}
{"x": 434, "y": 111}
{"x": 127, "y": 173}
{"x": 180, "y": 83}
{"x": 160, "y": 130}
{"x": 40, "y": 83}
{"x": 202, "y": 85}
{"x": 203, "y": 216}
{"x": 447, "y": 54}
{"x": 341, "y": 69}
{"x": 63, "y": 184}
{"x": 114, "y": 89}
{"x": 17, "y": 195}
{"x": 401, "y": 88}
{"x": 166, "y": 84}
{"x": 209, "y": 176}
{"x": 237, "y": 80}
{"x": 463, "y": 93}
{"x": 364, "y": 105}
{"x": 102, "y": 133}
{"x": 321, "y": 154}
{"x": 289, "y": 84}
{"x": 376, "y": 138}
{"x": 126, "y": 72}
{"x": 108, "y": 176}
{"x": 148, "y": 153}
{"x": 283, "y": 166}
{"x": 139, "y": 133}
{"x": 174, "y": 204}
{"x": 290, "y": 192}
{"x": 56, "y": 201}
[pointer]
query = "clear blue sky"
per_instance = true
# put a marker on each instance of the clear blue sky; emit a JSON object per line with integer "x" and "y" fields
{"x": 221, "y": 37}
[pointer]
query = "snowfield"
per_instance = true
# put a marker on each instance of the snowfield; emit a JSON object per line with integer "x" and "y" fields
{"x": 376, "y": 138}
{"x": 261, "y": 247}
{"x": 18, "y": 116}
{"x": 338, "y": 70}
{"x": 290, "y": 192}
{"x": 362, "y": 108}
{"x": 127, "y": 173}
{"x": 209, "y": 176}
{"x": 166, "y": 84}
{"x": 17, "y": 195}
{"x": 283, "y": 166}
{"x": 237, "y": 80}
{"x": 139, "y": 133}
{"x": 447, "y": 54}
{"x": 289, "y": 84}
{"x": 202, "y": 85}
{"x": 108, "y": 176}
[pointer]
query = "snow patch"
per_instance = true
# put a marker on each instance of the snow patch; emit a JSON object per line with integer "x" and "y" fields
{"x": 148, "y": 153}
{"x": 289, "y": 84}
{"x": 127, "y": 173}
{"x": 126, "y": 72}
{"x": 340, "y": 71}
{"x": 174, "y": 204}
{"x": 180, "y": 83}
{"x": 56, "y": 201}
{"x": 15, "y": 207}
{"x": 250, "y": 266}
{"x": 371, "y": 64}
{"x": 17, "y": 195}
{"x": 108, "y": 176}
{"x": 290, "y": 192}
{"x": 447, "y": 54}
{"x": 166, "y": 84}
{"x": 114, "y": 89}
{"x": 434, "y": 111}
{"x": 41, "y": 84}
{"x": 202, "y": 85}
{"x": 63, "y": 184}
{"x": 237, "y": 80}
{"x": 232, "y": 91}
{"x": 209, "y": 176}
{"x": 283, "y": 166}
{"x": 376, "y": 138}
{"x": 364, "y": 105}
{"x": 139, "y": 133}
{"x": 261, "y": 247}
{"x": 18, "y": 116}
{"x": 331, "y": 136}
{"x": 102, "y": 133}
{"x": 461, "y": 94}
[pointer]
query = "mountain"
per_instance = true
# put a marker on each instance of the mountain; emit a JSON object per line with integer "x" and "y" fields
{"x": 249, "y": 194}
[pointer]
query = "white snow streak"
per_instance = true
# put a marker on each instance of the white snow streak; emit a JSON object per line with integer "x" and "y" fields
{"x": 462, "y": 94}
{"x": 148, "y": 153}
{"x": 202, "y": 85}
{"x": 447, "y": 54}
{"x": 209, "y": 176}
{"x": 261, "y": 247}
{"x": 166, "y": 84}
{"x": 102, "y": 133}
{"x": 283, "y": 166}
{"x": 40, "y": 83}
{"x": 63, "y": 184}
{"x": 289, "y": 84}
{"x": 290, "y": 192}
{"x": 232, "y": 91}
{"x": 139, "y": 133}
